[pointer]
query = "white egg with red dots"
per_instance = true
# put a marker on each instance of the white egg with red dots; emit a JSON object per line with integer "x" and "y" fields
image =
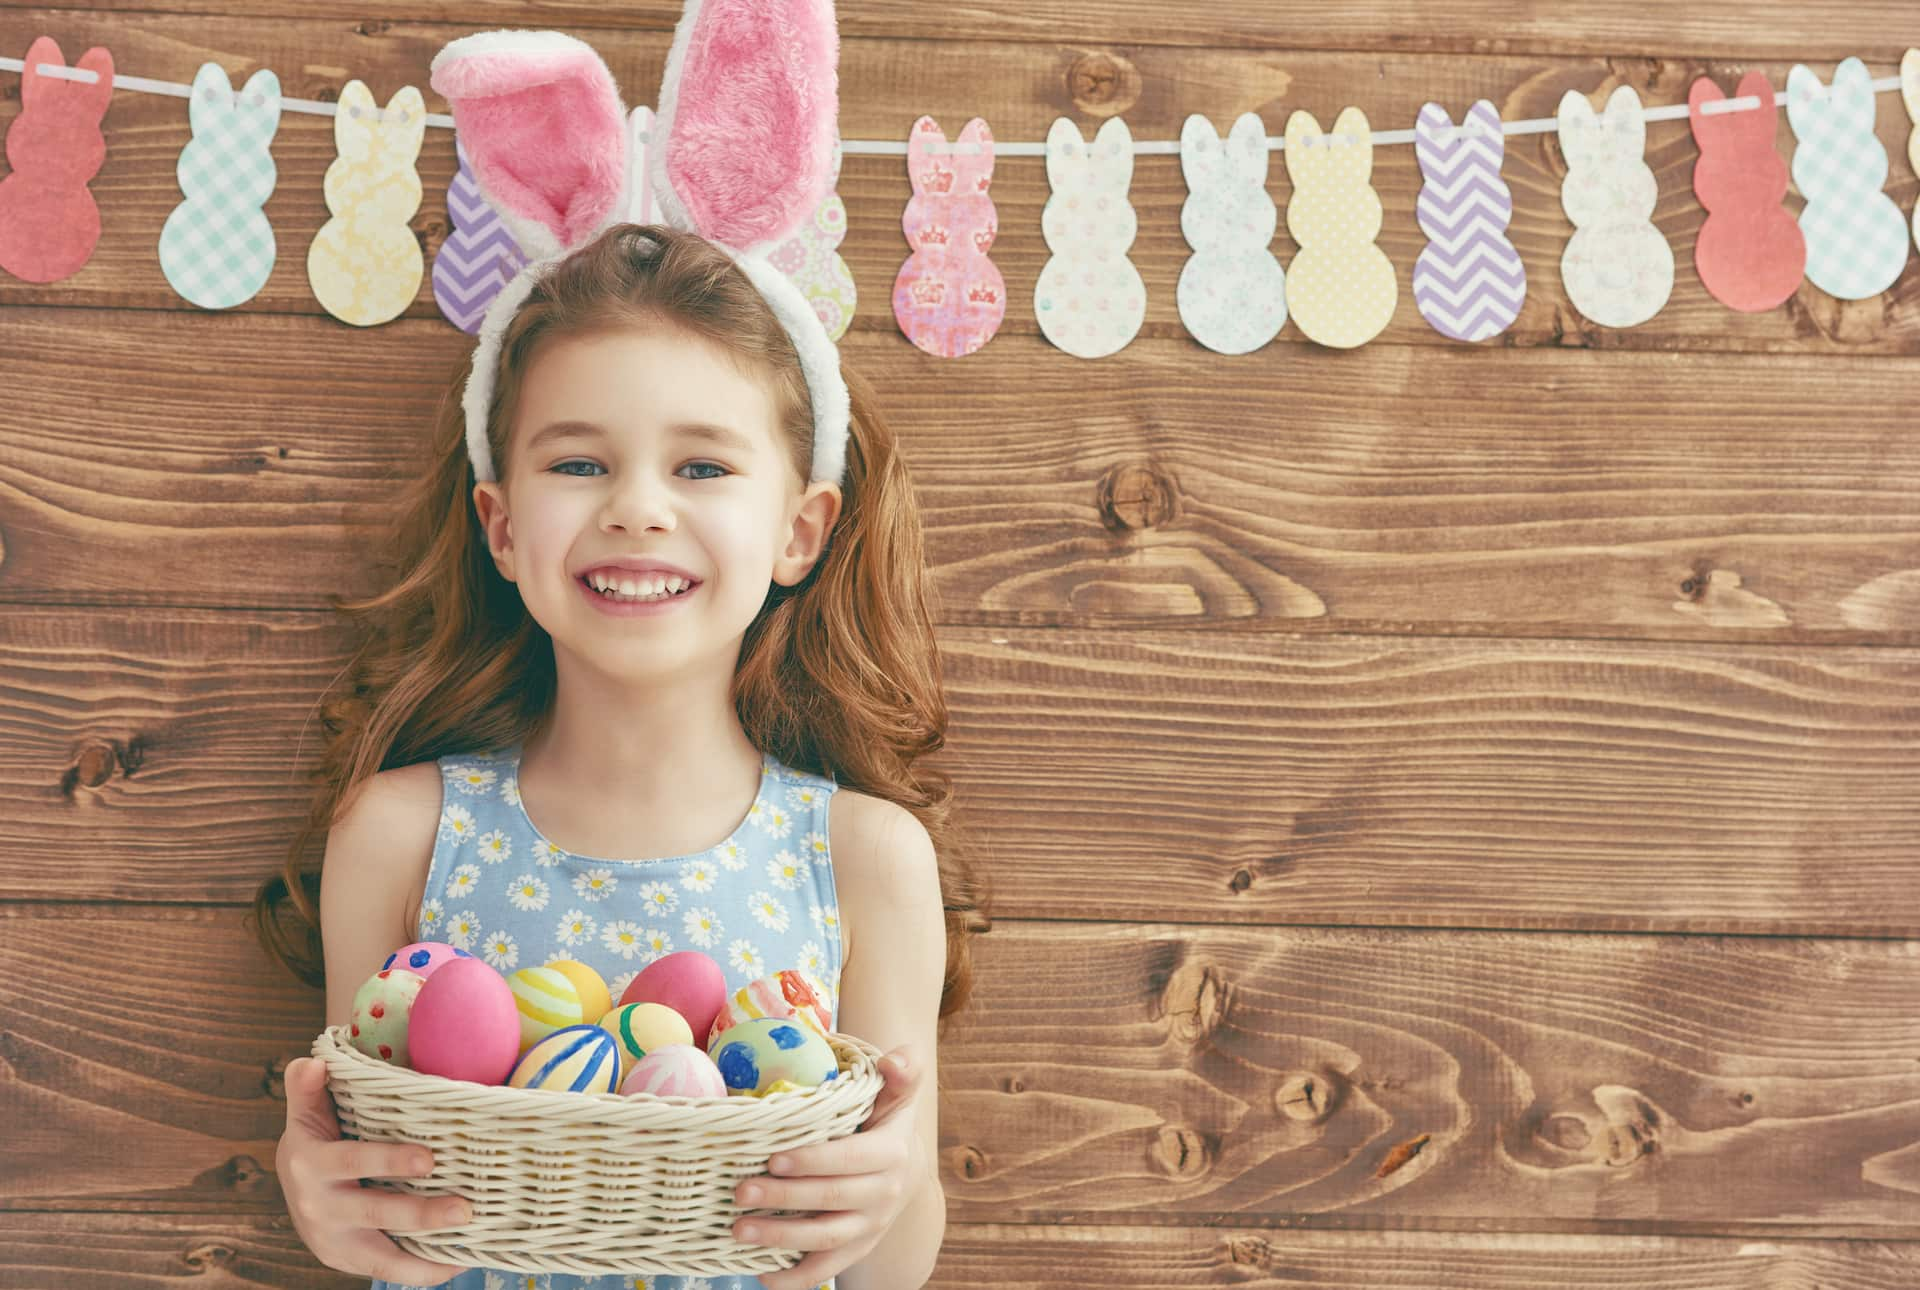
{"x": 422, "y": 958}
{"x": 382, "y": 1007}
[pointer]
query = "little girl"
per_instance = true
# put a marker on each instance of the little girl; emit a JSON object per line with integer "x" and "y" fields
{"x": 654, "y": 676}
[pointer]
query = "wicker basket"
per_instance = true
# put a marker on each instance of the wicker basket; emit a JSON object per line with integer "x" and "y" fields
{"x": 591, "y": 1182}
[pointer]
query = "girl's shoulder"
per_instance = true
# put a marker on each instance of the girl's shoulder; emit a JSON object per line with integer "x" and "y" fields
{"x": 881, "y": 852}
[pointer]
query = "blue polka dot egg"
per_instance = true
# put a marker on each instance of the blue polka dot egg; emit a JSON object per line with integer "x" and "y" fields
{"x": 758, "y": 1052}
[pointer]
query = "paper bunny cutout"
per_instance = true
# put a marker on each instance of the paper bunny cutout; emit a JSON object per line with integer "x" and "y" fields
{"x": 811, "y": 257}
{"x": 1232, "y": 292}
{"x": 949, "y": 297}
{"x": 1469, "y": 282}
{"x": 1750, "y": 253}
{"x": 1910, "y": 93}
{"x": 478, "y": 256}
{"x": 1340, "y": 287}
{"x": 1089, "y": 298}
{"x": 49, "y": 223}
{"x": 1617, "y": 268}
{"x": 1856, "y": 236}
{"x": 217, "y": 248}
{"x": 740, "y": 154}
{"x": 365, "y": 263}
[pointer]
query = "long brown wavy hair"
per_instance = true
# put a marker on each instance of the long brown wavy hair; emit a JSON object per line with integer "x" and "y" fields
{"x": 838, "y": 674}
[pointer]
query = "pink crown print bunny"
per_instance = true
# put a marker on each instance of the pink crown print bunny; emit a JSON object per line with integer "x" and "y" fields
{"x": 49, "y": 223}
{"x": 949, "y": 297}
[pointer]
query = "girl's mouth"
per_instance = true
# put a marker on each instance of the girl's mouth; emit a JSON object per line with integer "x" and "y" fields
{"x": 615, "y": 603}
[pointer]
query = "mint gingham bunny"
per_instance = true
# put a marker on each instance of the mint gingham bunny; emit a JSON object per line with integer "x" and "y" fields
{"x": 1089, "y": 299}
{"x": 365, "y": 264}
{"x": 1617, "y": 268}
{"x": 1856, "y": 236}
{"x": 1233, "y": 292}
{"x": 217, "y": 248}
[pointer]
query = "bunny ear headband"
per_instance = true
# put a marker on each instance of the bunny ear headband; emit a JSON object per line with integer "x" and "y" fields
{"x": 742, "y": 151}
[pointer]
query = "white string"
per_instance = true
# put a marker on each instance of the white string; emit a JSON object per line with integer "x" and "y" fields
{"x": 887, "y": 147}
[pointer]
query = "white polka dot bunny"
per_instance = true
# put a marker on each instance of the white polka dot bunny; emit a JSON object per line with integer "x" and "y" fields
{"x": 1089, "y": 298}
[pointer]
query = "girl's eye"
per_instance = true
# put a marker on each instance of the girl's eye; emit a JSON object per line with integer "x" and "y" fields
{"x": 720, "y": 470}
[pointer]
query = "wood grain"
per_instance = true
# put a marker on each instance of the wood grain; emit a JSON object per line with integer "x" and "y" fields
{"x": 254, "y": 461}
{"x": 1257, "y": 1079}
{"x": 1019, "y": 88}
{"x": 1235, "y": 779}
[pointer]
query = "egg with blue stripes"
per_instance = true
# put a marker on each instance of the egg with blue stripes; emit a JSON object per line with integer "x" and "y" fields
{"x": 758, "y": 1053}
{"x": 573, "y": 1059}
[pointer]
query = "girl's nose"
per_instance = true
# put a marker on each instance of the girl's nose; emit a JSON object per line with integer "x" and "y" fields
{"x": 640, "y": 501}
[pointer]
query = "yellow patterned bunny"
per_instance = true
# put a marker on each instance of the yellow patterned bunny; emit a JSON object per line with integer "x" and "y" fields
{"x": 365, "y": 263}
{"x": 1340, "y": 287}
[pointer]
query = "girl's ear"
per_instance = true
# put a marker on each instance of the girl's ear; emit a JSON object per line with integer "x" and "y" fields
{"x": 744, "y": 129}
{"x": 544, "y": 130}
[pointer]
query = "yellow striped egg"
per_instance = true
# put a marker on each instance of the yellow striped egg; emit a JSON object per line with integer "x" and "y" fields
{"x": 547, "y": 999}
{"x": 639, "y": 1028}
{"x": 573, "y": 1059}
{"x": 594, "y": 995}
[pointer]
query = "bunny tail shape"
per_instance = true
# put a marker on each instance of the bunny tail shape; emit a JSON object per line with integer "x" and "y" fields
{"x": 544, "y": 129}
{"x": 747, "y": 111}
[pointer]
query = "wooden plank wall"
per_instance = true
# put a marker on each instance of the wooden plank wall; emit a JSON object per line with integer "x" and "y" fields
{"x": 1454, "y": 810}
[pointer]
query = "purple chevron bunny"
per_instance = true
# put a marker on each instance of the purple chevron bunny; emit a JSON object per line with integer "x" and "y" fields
{"x": 1469, "y": 281}
{"x": 479, "y": 256}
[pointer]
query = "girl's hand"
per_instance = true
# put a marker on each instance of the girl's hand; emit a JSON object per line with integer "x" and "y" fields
{"x": 858, "y": 1186}
{"x": 343, "y": 1223}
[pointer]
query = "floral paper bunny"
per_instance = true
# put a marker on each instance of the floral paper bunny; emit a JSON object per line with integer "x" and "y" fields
{"x": 949, "y": 297}
{"x": 811, "y": 257}
{"x": 217, "y": 248}
{"x": 1856, "y": 236}
{"x": 1340, "y": 287}
{"x": 1233, "y": 292}
{"x": 365, "y": 263}
{"x": 1469, "y": 281}
{"x": 49, "y": 223}
{"x": 1750, "y": 253}
{"x": 1089, "y": 299}
{"x": 1617, "y": 268}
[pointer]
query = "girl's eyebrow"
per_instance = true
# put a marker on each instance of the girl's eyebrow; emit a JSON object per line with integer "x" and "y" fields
{"x": 722, "y": 435}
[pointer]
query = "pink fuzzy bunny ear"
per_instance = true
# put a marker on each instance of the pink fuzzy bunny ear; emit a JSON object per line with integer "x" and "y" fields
{"x": 745, "y": 126}
{"x": 543, "y": 129}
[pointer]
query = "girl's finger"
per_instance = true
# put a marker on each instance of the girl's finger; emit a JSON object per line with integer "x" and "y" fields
{"x": 844, "y": 1191}
{"x": 819, "y": 1232}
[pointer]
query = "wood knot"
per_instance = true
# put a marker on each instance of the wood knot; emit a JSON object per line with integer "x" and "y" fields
{"x": 1136, "y": 496}
{"x": 968, "y": 1162}
{"x": 1240, "y": 881}
{"x": 1196, "y": 999}
{"x": 211, "y": 1255}
{"x": 1568, "y": 1132}
{"x": 1305, "y": 1097}
{"x": 1402, "y": 1155}
{"x": 1180, "y": 1153}
{"x": 1250, "y": 1251}
{"x": 1103, "y": 83}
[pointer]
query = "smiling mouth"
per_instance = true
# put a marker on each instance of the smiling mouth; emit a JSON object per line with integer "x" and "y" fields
{"x": 619, "y": 599}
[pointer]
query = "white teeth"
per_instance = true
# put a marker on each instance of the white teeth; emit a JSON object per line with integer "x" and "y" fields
{"x": 646, "y": 587}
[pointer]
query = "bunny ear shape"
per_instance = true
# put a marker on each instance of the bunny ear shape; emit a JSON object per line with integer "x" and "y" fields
{"x": 745, "y": 125}
{"x": 544, "y": 129}
{"x": 211, "y": 99}
{"x": 1703, "y": 90}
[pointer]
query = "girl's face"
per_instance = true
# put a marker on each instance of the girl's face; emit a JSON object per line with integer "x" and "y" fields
{"x": 649, "y": 444}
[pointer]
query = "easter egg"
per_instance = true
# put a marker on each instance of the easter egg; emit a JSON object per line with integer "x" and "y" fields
{"x": 595, "y": 999}
{"x": 675, "y": 1070}
{"x": 573, "y": 1059}
{"x": 688, "y": 981}
{"x": 464, "y": 1024}
{"x": 422, "y": 957}
{"x": 789, "y": 993}
{"x": 754, "y": 1054}
{"x": 381, "y": 1007}
{"x": 640, "y": 1028}
{"x": 547, "y": 999}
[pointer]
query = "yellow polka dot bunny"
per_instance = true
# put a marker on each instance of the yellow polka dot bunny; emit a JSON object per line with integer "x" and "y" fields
{"x": 1340, "y": 287}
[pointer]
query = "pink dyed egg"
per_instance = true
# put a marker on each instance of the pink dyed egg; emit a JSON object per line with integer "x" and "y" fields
{"x": 382, "y": 1008}
{"x": 675, "y": 1070}
{"x": 422, "y": 957}
{"x": 792, "y": 992}
{"x": 688, "y": 982}
{"x": 465, "y": 1024}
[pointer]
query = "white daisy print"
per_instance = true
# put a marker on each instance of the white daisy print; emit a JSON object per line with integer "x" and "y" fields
{"x": 617, "y": 986}
{"x": 661, "y": 898}
{"x": 463, "y": 929}
{"x": 813, "y": 959}
{"x": 576, "y": 928}
{"x": 529, "y": 892}
{"x": 774, "y": 821}
{"x": 594, "y": 884}
{"x": 814, "y": 845}
{"x": 656, "y": 943}
{"x": 745, "y": 958}
{"x": 456, "y": 822}
{"x": 432, "y": 914}
{"x": 698, "y": 877}
{"x": 462, "y": 881}
{"x": 510, "y": 790}
{"x": 784, "y": 869}
{"x": 501, "y": 951}
{"x": 473, "y": 779}
{"x": 731, "y": 855}
{"x": 701, "y": 926}
{"x": 826, "y": 918}
{"x": 622, "y": 937}
{"x": 547, "y": 855}
{"x": 769, "y": 912}
{"x": 804, "y": 797}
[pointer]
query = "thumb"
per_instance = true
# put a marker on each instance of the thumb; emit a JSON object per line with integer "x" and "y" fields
{"x": 309, "y": 1105}
{"x": 902, "y": 1074}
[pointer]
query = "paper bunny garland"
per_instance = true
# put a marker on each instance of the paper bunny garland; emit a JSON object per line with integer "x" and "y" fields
{"x": 217, "y": 248}
{"x": 365, "y": 264}
{"x": 49, "y": 223}
{"x": 741, "y": 150}
{"x": 1232, "y": 292}
{"x": 1617, "y": 268}
{"x": 1089, "y": 299}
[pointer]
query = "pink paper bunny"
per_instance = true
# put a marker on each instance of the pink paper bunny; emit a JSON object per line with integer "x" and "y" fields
{"x": 949, "y": 297}
{"x": 49, "y": 223}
